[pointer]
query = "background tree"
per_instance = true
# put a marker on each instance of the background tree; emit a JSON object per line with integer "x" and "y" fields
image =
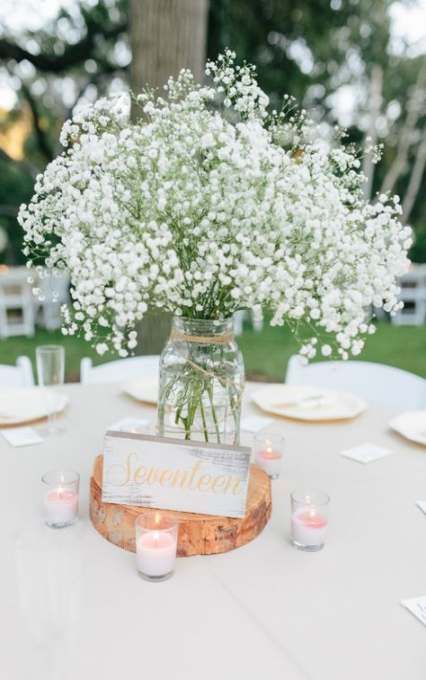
{"x": 166, "y": 36}
{"x": 333, "y": 55}
{"x": 80, "y": 53}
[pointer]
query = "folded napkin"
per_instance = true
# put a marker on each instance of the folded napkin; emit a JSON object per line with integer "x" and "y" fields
{"x": 421, "y": 505}
{"x": 22, "y": 436}
{"x": 366, "y": 453}
{"x": 417, "y": 606}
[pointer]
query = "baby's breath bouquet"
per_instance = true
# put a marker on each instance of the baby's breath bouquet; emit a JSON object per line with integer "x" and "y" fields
{"x": 207, "y": 205}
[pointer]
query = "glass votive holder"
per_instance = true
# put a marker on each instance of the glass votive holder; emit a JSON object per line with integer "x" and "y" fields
{"x": 60, "y": 502}
{"x": 268, "y": 452}
{"x": 156, "y": 545}
{"x": 309, "y": 519}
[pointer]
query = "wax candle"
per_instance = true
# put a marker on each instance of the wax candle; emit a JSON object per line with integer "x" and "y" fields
{"x": 268, "y": 451}
{"x": 156, "y": 546}
{"x": 156, "y": 553}
{"x": 309, "y": 520}
{"x": 270, "y": 461}
{"x": 309, "y": 527}
{"x": 61, "y": 498}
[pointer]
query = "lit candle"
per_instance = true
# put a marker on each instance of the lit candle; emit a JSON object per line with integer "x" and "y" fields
{"x": 156, "y": 546}
{"x": 309, "y": 528}
{"x": 61, "y": 499}
{"x": 61, "y": 507}
{"x": 309, "y": 520}
{"x": 268, "y": 451}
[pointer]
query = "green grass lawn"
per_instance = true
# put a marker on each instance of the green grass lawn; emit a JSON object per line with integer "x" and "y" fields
{"x": 265, "y": 354}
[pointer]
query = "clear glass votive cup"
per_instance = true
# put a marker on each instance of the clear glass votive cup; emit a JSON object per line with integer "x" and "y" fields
{"x": 309, "y": 519}
{"x": 268, "y": 452}
{"x": 50, "y": 362}
{"x": 156, "y": 545}
{"x": 60, "y": 500}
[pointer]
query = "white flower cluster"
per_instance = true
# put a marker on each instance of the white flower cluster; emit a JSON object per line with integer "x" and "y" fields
{"x": 199, "y": 209}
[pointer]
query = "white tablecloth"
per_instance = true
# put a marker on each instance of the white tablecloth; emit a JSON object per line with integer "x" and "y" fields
{"x": 73, "y": 606}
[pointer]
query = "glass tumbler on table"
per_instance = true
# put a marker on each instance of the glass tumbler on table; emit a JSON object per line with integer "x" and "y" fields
{"x": 50, "y": 360}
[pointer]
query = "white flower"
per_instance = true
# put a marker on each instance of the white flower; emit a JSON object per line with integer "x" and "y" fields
{"x": 326, "y": 350}
{"x": 201, "y": 211}
{"x": 207, "y": 140}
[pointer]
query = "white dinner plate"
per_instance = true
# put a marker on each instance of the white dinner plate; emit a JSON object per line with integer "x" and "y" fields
{"x": 308, "y": 403}
{"x": 143, "y": 390}
{"x": 25, "y": 404}
{"x": 412, "y": 425}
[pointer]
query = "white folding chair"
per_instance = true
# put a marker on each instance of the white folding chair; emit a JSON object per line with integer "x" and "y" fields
{"x": 20, "y": 375}
{"x": 413, "y": 294}
{"x": 118, "y": 371}
{"x": 255, "y": 317}
{"x": 376, "y": 383}
{"x": 16, "y": 303}
{"x": 54, "y": 292}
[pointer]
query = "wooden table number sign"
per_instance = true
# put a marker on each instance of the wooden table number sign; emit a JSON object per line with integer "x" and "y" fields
{"x": 220, "y": 500}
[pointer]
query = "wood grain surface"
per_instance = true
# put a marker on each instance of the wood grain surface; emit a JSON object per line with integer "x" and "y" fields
{"x": 198, "y": 534}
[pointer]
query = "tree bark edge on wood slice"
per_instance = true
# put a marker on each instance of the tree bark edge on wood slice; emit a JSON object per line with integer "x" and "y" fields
{"x": 198, "y": 534}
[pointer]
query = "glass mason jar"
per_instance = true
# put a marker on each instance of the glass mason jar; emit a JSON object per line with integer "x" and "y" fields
{"x": 201, "y": 382}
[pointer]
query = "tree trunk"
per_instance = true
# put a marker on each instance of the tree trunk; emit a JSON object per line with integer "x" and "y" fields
{"x": 415, "y": 106}
{"x": 376, "y": 88}
{"x": 166, "y": 36}
{"x": 415, "y": 178}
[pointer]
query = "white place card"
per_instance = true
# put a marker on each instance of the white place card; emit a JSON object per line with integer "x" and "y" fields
{"x": 421, "y": 505}
{"x": 22, "y": 436}
{"x": 254, "y": 423}
{"x": 175, "y": 474}
{"x": 417, "y": 606}
{"x": 131, "y": 425}
{"x": 366, "y": 453}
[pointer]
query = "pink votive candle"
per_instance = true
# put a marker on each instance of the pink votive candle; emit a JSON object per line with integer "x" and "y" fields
{"x": 309, "y": 520}
{"x": 156, "y": 546}
{"x": 268, "y": 451}
{"x": 61, "y": 498}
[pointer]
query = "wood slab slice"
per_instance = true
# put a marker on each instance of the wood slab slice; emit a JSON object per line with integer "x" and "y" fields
{"x": 198, "y": 534}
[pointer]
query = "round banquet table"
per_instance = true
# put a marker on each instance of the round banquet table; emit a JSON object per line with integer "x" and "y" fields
{"x": 74, "y": 607}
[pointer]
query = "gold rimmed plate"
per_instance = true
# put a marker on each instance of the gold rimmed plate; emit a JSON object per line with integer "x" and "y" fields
{"x": 308, "y": 403}
{"x": 145, "y": 391}
{"x": 411, "y": 425}
{"x": 26, "y": 404}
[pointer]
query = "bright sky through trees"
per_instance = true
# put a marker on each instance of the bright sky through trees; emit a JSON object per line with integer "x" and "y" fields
{"x": 408, "y": 25}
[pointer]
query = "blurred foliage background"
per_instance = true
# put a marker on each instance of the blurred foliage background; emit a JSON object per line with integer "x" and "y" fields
{"x": 358, "y": 63}
{"x": 354, "y": 62}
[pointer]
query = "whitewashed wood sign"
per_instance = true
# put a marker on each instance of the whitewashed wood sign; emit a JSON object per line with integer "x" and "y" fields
{"x": 173, "y": 474}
